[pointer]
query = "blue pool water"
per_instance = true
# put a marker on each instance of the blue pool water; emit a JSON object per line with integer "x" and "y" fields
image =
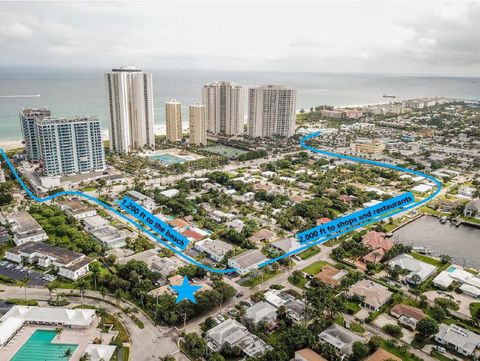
{"x": 168, "y": 159}
{"x": 451, "y": 269}
{"x": 39, "y": 347}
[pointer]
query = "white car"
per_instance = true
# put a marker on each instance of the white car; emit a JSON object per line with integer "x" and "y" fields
{"x": 439, "y": 349}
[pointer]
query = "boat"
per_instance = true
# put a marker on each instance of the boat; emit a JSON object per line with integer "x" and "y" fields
{"x": 389, "y": 96}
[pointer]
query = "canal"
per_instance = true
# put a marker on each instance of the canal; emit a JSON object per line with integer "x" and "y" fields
{"x": 461, "y": 243}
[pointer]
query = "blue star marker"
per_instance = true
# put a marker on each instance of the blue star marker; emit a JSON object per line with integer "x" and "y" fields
{"x": 186, "y": 291}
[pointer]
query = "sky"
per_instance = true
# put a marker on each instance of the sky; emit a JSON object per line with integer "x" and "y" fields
{"x": 405, "y": 37}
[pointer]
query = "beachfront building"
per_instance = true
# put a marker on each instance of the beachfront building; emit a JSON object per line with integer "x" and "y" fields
{"x": 69, "y": 145}
{"x": 173, "y": 120}
{"x": 271, "y": 111}
{"x": 130, "y": 105}
{"x": 25, "y": 228}
{"x": 28, "y": 118}
{"x": 198, "y": 124}
{"x": 224, "y": 107}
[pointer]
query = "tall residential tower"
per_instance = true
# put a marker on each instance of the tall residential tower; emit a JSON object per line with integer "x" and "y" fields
{"x": 173, "y": 120}
{"x": 198, "y": 126}
{"x": 28, "y": 117}
{"x": 130, "y": 102}
{"x": 271, "y": 111}
{"x": 224, "y": 107}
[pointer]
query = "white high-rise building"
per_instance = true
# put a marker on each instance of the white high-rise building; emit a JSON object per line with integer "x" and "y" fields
{"x": 69, "y": 145}
{"x": 224, "y": 108}
{"x": 271, "y": 111}
{"x": 130, "y": 101}
{"x": 198, "y": 124}
{"x": 173, "y": 120}
{"x": 28, "y": 117}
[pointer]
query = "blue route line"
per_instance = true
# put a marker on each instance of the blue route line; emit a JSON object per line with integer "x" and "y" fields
{"x": 298, "y": 250}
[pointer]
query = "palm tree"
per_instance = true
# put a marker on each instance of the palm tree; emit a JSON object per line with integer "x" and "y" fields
{"x": 58, "y": 332}
{"x": 67, "y": 354}
{"x": 85, "y": 357}
{"x": 24, "y": 283}
{"x": 118, "y": 295}
{"x": 50, "y": 286}
{"x": 82, "y": 286}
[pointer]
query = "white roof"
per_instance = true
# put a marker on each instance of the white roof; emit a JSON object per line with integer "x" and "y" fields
{"x": 472, "y": 290}
{"x": 405, "y": 261}
{"x": 261, "y": 311}
{"x": 170, "y": 192}
{"x": 66, "y": 316}
{"x": 274, "y": 299}
{"x": 8, "y": 328}
{"x": 421, "y": 188}
{"x": 100, "y": 352}
{"x": 443, "y": 279}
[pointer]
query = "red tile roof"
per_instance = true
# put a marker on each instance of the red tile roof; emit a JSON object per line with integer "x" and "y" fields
{"x": 192, "y": 234}
{"x": 407, "y": 310}
{"x": 375, "y": 240}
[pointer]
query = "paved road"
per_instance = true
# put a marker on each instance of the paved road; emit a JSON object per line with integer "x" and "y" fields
{"x": 147, "y": 344}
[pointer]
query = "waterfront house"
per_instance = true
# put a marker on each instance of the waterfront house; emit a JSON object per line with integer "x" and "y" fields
{"x": 415, "y": 266}
{"x": 472, "y": 209}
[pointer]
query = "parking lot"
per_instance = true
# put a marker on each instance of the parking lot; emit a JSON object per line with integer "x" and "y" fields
{"x": 19, "y": 272}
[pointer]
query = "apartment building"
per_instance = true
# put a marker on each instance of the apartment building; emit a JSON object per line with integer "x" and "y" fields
{"x": 198, "y": 124}
{"x": 224, "y": 108}
{"x": 271, "y": 111}
{"x": 130, "y": 105}
{"x": 173, "y": 120}
{"x": 28, "y": 118}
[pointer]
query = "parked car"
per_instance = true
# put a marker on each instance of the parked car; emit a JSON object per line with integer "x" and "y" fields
{"x": 439, "y": 349}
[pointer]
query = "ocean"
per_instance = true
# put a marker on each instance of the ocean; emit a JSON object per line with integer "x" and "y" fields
{"x": 82, "y": 92}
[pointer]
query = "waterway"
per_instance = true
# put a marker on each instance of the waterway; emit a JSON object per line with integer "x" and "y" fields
{"x": 461, "y": 243}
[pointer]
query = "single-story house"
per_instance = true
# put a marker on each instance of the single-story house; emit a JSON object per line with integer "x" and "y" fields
{"x": 307, "y": 354}
{"x": 407, "y": 315}
{"x": 340, "y": 338}
{"x": 215, "y": 248}
{"x": 415, "y": 266}
{"x": 330, "y": 275}
{"x": 458, "y": 338}
{"x": 247, "y": 261}
{"x": 373, "y": 294}
{"x": 382, "y": 355}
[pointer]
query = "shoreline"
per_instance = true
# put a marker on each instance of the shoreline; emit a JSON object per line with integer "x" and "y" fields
{"x": 11, "y": 144}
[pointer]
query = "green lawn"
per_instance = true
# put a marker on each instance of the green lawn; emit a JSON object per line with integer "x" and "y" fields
{"x": 426, "y": 259}
{"x": 401, "y": 352}
{"x": 309, "y": 252}
{"x": 300, "y": 284}
{"x": 356, "y": 327}
{"x": 353, "y": 306}
{"x": 251, "y": 282}
{"x": 314, "y": 268}
{"x": 474, "y": 308}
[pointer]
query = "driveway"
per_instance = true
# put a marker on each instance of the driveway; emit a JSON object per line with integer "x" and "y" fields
{"x": 462, "y": 300}
{"x": 35, "y": 278}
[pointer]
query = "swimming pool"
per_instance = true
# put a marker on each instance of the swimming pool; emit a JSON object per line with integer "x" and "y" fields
{"x": 168, "y": 159}
{"x": 39, "y": 348}
{"x": 451, "y": 269}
